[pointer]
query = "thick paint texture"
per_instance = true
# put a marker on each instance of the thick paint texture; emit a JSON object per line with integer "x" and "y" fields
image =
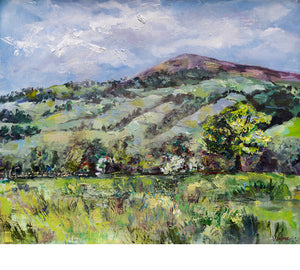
{"x": 194, "y": 149}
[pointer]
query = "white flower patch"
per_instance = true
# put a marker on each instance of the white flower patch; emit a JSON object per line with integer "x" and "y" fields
{"x": 100, "y": 166}
{"x": 173, "y": 165}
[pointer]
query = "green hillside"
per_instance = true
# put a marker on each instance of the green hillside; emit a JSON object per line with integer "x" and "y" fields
{"x": 289, "y": 128}
{"x": 136, "y": 123}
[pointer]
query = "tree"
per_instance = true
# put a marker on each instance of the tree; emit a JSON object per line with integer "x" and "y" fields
{"x": 38, "y": 159}
{"x": 287, "y": 151}
{"x": 92, "y": 153}
{"x": 68, "y": 105}
{"x": 21, "y": 117}
{"x": 3, "y": 131}
{"x": 236, "y": 131}
{"x": 31, "y": 130}
{"x": 17, "y": 132}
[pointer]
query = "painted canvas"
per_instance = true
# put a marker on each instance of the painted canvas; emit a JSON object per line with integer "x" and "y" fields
{"x": 149, "y": 122}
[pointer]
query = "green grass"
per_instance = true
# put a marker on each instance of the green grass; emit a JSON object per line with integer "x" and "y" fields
{"x": 294, "y": 130}
{"x": 290, "y": 128}
{"x": 242, "y": 208}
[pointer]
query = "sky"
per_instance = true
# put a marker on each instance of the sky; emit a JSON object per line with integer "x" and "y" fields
{"x": 48, "y": 42}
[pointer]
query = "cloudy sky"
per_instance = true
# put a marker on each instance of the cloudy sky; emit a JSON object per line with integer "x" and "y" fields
{"x": 54, "y": 41}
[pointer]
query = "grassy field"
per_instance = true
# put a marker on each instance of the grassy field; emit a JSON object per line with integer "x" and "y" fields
{"x": 211, "y": 209}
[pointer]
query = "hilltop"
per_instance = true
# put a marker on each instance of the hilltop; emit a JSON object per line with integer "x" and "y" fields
{"x": 191, "y": 61}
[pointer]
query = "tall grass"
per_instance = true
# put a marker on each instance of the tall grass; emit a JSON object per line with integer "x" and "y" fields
{"x": 244, "y": 208}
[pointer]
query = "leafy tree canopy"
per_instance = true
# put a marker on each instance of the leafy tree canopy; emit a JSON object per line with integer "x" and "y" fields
{"x": 235, "y": 131}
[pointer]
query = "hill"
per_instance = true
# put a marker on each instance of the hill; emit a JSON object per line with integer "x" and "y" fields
{"x": 191, "y": 61}
{"x": 144, "y": 123}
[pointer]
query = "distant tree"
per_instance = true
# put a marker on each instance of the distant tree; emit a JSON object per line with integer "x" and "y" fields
{"x": 39, "y": 159}
{"x": 69, "y": 106}
{"x": 55, "y": 159}
{"x": 31, "y": 130}
{"x": 19, "y": 117}
{"x": 119, "y": 151}
{"x": 6, "y": 116}
{"x": 3, "y": 131}
{"x": 17, "y": 132}
{"x": 235, "y": 131}
{"x": 92, "y": 153}
{"x": 287, "y": 152}
{"x": 76, "y": 86}
{"x": 22, "y": 117}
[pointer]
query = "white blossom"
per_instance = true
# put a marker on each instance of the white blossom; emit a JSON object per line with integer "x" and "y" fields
{"x": 173, "y": 165}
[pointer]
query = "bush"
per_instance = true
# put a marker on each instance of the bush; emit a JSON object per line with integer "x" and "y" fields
{"x": 17, "y": 132}
{"x": 20, "y": 117}
{"x": 173, "y": 164}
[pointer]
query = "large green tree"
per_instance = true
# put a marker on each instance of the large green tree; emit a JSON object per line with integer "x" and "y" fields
{"x": 236, "y": 131}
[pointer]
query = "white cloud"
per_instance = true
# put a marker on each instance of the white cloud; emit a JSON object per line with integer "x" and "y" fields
{"x": 68, "y": 34}
{"x": 275, "y": 37}
{"x": 27, "y": 46}
{"x": 80, "y": 38}
{"x": 210, "y": 33}
{"x": 271, "y": 12}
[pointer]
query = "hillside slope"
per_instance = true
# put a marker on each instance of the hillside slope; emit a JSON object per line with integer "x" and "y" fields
{"x": 65, "y": 124}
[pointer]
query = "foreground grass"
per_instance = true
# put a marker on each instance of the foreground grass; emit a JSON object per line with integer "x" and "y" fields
{"x": 242, "y": 208}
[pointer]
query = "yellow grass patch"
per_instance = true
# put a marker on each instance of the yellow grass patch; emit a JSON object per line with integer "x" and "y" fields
{"x": 191, "y": 123}
{"x": 57, "y": 137}
{"x": 138, "y": 103}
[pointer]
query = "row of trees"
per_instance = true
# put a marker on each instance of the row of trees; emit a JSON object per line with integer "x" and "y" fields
{"x": 175, "y": 157}
{"x": 236, "y": 134}
{"x": 163, "y": 78}
{"x": 17, "y": 132}
{"x": 94, "y": 90}
{"x": 19, "y": 117}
